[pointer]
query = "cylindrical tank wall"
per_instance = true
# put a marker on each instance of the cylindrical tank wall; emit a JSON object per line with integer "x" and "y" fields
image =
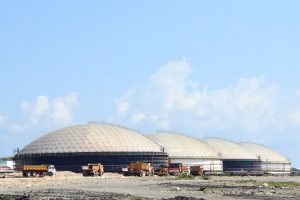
{"x": 111, "y": 162}
{"x": 241, "y": 165}
{"x": 276, "y": 168}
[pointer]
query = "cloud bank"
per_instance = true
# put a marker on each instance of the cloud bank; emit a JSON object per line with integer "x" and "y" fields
{"x": 170, "y": 99}
{"x": 43, "y": 111}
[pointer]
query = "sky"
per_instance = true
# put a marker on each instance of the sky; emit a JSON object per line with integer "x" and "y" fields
{"x": 226, "y": 69}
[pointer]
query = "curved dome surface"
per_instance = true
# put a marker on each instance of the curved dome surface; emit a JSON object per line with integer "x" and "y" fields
{"x": 182, "y": 146}
{"x": 91, "y": 137}
{"x": 230, "y": 150}
{"x": 266, "y": 154}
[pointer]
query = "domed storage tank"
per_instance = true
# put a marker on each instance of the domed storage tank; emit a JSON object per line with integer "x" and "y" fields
{"x": 272, "y": 161}
{"x": 189, "y": 151}
{"x": 71, "y": 147}
{"x": 235, "y": 157}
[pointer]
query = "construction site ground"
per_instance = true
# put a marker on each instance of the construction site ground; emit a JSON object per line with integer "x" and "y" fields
{"x": 69, "y": 185}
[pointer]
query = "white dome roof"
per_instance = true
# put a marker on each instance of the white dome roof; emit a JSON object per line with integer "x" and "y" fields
{"x": 266, "y": 154}
{"x": 230, "y": 150}
{"x": 91, "y": 137}
{"x": 180, "y": 146}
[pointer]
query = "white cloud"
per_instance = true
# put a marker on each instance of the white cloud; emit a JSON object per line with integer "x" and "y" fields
{"x": 42, "y": 111}
{"x": 15, "y": 128}
{"x": 293, "y": 111}
{"x": 137, "y": 117}
{"x": 169, "y": 98}
{"x": 36, "y": 109}
{"x": 61, "y": 107}
{"x": 10, "y": 125}
{"x": 122, "y": 104}
{"x": 1, "y": 120}
{"x": 295, "y": 117}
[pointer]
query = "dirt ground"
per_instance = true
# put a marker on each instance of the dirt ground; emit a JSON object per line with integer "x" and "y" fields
{"x": 68, "y": 185}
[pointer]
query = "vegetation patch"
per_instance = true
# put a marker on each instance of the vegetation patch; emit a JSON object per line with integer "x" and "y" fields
{"x": 283, "y": 184}
{"x": 204, "y": 177}
{"x": 13, "y": 197}
{"x": 184, "y": 176}
{"x": 247, "y": 181}
{"x": 6, "y": 158}
{"x": 295, "y": 172}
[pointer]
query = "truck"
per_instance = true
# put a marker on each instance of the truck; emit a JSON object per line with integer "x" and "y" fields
{"x": 163, "y": 170}
{"x": 138, "y": 169}
{"x": 37, "y": 170}
{"x": 93, "y": 169}
{"x": 175, "y": 168}
{"x": 196, "y": 170}
{"x": 4, "y": 170}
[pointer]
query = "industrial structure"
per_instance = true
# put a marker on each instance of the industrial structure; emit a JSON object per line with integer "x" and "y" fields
{"x": 272, "y": 161}
{"x": 72, "y": 147}
{"x": 235, "y": 157}
{"x": 116, "y": 147}
{"x": 188, "y": 151}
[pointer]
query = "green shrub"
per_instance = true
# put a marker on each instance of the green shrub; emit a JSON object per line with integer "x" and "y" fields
{"x": 9, "y": 197}
{"x": 184, "y": 176}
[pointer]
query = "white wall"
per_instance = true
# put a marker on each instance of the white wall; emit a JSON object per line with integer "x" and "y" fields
{"x": 276, "y": 168}
{"x": 209, "y": 165}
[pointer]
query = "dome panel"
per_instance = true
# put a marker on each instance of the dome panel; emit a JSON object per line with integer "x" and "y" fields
{"x": 182, "y": 146}
{"x": 266, "y": 154}
{"x": 92, "y": 137}
{"x": 230, "y": 150}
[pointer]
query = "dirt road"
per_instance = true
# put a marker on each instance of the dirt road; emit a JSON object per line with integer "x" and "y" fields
{"x": 68, "y": 185}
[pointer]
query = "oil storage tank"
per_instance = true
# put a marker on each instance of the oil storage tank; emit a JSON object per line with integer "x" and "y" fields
{"x": 188, "y": 151}
{"x": 71, "y": 147}
{"x": 236, "y": 159}
{"x": 272, "y": 161}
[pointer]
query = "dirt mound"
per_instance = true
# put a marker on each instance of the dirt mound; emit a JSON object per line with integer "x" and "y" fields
{"x": 67, "y": 174}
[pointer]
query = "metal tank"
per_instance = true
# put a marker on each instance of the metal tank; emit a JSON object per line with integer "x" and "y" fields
{"x": 272, "y": 161}
{"x": 188, "y": 151}
{"x": 72, "y": 147}
{"x": 236, "y": 158}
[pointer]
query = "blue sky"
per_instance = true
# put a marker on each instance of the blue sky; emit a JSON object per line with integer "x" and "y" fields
{"x": 205, "y": 68}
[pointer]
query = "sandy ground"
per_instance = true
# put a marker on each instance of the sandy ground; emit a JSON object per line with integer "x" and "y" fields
{"x": 68, "y": 185}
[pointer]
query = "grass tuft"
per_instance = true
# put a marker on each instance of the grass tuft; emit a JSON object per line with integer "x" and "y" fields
{"x": 284, "y": 184}
{"x": 204, "y": 177}
{"x": 184, "y": 176}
